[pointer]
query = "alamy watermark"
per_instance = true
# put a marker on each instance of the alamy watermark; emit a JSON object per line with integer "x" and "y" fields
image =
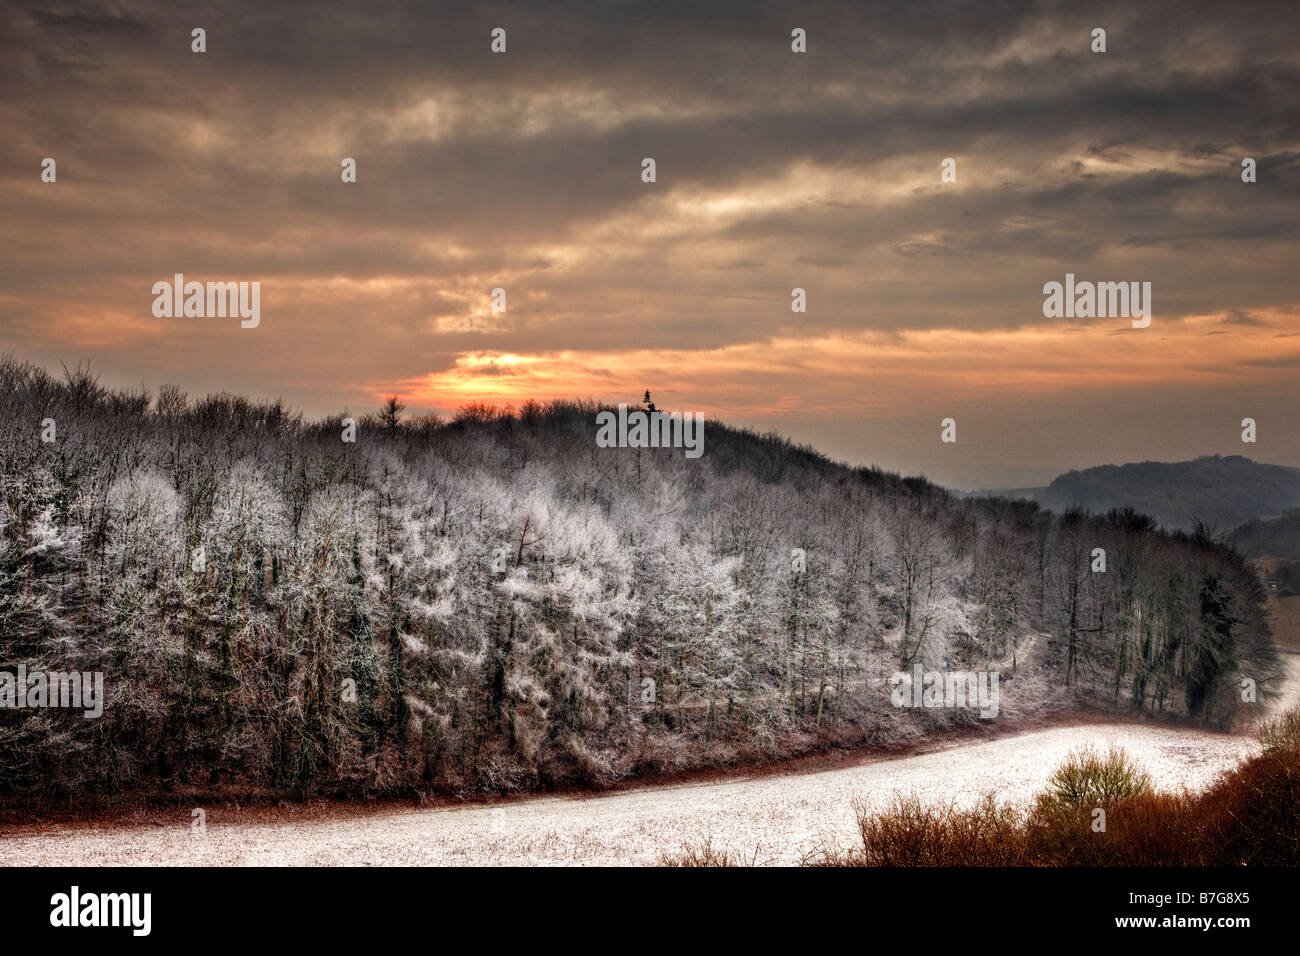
{"x": 651, "y": 429}
{"x": 215, "y": 300}
{"x": 947, "y": 689}
{"x": 1100, "y": 300}
{"x": 39, "y": 689}
{"x": 75, "y": 908}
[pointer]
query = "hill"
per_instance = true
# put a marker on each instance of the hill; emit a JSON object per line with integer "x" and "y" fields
{"x": 1221, "y": 492}
{"x": 1277, "y": 540}
{"x": 496, "y": 603}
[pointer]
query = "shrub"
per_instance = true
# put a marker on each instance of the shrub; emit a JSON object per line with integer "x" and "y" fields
{"x": 1253, "y": 814}
{"x": 1282, "y": 733}
{"x": 912, "y": 833}
{"x": 1090, "y": 779}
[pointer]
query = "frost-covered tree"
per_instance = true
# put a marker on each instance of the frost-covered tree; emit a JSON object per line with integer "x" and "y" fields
{"x": 494, "y": 602}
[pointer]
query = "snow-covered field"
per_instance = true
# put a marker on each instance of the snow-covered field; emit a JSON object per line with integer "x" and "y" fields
{"x": 780, "y": 816}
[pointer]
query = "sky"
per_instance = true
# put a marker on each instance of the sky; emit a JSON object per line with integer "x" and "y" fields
{"x": 774, "y": 170}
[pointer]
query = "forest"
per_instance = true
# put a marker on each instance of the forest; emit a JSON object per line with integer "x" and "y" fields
{"x": 492, "y": 603}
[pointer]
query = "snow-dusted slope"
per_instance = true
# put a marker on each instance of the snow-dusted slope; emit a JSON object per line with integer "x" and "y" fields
{"x": 780, "y": 816}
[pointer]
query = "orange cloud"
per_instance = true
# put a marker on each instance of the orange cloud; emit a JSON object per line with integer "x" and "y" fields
{"x": 848, "y": 372}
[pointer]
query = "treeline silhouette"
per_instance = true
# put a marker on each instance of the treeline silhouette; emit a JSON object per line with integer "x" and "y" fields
{"x": 493, "y": 603}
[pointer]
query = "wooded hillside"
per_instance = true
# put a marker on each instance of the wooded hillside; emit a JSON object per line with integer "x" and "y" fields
{"x": 495, "y": 603}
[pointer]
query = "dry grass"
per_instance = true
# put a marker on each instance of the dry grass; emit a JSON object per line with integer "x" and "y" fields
{"x": 706, "y": 854}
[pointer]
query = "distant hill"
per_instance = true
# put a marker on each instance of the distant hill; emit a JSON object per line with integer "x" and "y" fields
{"x": 1222, "y": 492}
{"x": 1274, "y": 537}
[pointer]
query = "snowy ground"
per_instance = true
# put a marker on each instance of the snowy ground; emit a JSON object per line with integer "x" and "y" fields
{"x": 780, "y": 816}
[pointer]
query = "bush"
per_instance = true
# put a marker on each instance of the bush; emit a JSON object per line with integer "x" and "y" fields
{"x": 911, "y": 833}
{"x": 1253, "y": 814}
{"x": 1146, "y": 829}
{"x": 1282, "y": 733}
{"x": 1092, "y": 779}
